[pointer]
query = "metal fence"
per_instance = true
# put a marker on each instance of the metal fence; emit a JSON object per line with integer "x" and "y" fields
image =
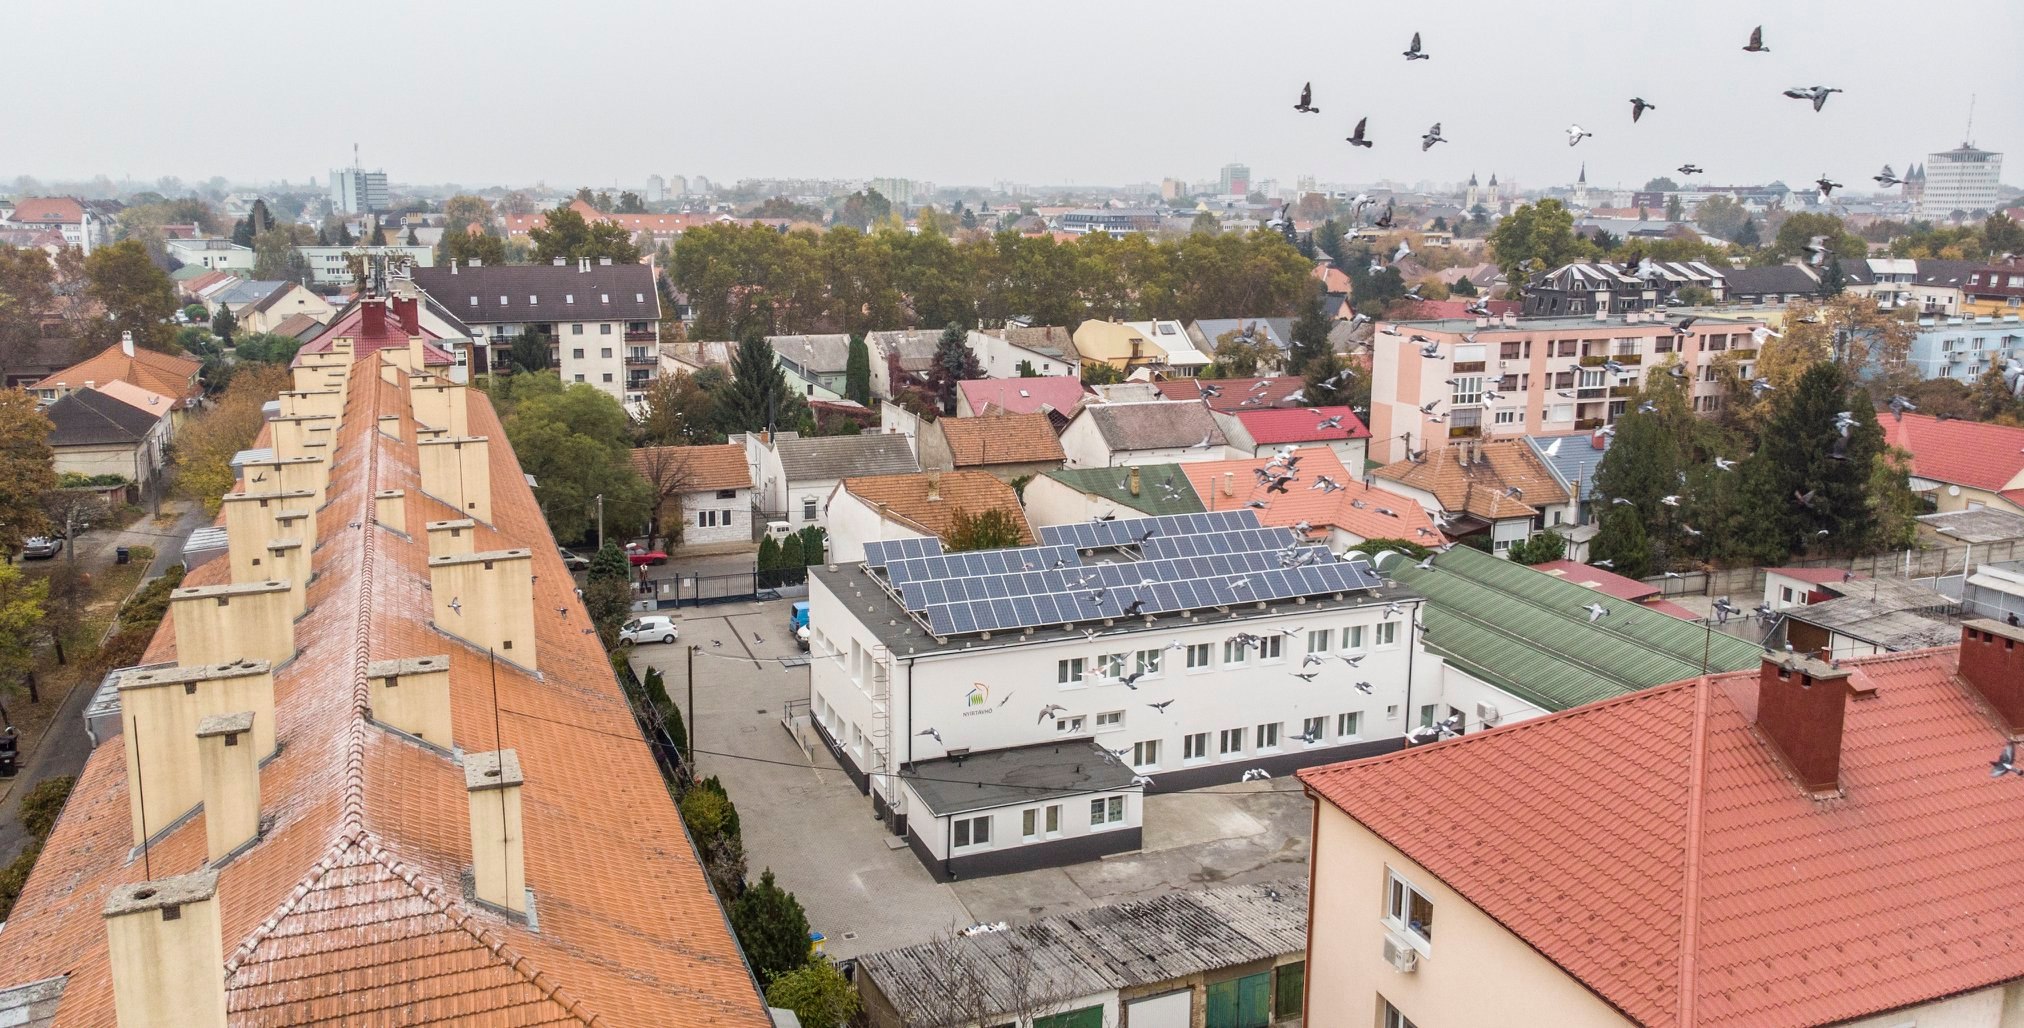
{"x": 1933, "y": 563}
{"x": 666, "y": 754}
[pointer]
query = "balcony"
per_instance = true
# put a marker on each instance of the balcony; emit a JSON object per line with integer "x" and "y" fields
{"x": 1744, "y": 355}
{"x": 1622, "y": 390}
{"x": 641, "y": 359}
{"x": 1465, "y": 431}
{"x": 1587, "y": 424}
{"x": 1464, "y": 367}
{"x": 639, "y": 337}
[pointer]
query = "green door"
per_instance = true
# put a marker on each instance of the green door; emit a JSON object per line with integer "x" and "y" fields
{"x": 1087, "y": 1017}
{"x": 1241, "y": 1002}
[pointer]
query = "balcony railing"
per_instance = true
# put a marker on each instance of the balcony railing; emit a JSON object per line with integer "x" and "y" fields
{"x": 1465, "y": 431}
{"x": 1587, "y": 424}
{"x": 1622, "y": 390}
{"x": 1744, "y": 355}
{"x": 641, "y": 359}
{"x": 1591, "y": 393}
{"x": 639, "y": 337}
{"x": 1464, "y": 367}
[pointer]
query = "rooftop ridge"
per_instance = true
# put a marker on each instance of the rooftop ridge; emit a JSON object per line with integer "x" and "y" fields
{"x": 1690, "y": 881}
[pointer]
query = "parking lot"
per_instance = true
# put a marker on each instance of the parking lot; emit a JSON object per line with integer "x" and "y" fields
{"x": 862, "y": 887}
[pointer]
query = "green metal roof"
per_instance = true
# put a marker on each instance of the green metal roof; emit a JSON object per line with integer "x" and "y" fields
{"x": 1527, "y": 633}
{"x": 1151, "y": 499}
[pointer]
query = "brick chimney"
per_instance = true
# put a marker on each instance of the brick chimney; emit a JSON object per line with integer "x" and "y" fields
{"x": 1800, "y": 706}
{"x": 229, "y": 769}
{"x": 458, "y": 471}
{"x": 492, "y": 783}
{"x": 219, "y": 624}
{"x": 487, "y": 600}
{"x": 412, "y": 695}
{"x": 166, "y": 953}
{"x": 455, "y": 536}
{"x": 408, "y": 309}
{"x": 160, "y": 712}
{"x": 1992, "y": 661}
{"x": 372, "y": 318}
{"x": 390, "y": 508}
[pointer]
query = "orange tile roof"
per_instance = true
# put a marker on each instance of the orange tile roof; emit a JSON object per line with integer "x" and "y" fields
{"x": 904, "y": 498}
{"x": 48, "y": 210}
{"x": 168, "y": 374}
{"x": 1970, "y": 453}
{"x": 1356, "y": 508}
{"x": 690, "y": 468}
{"x": 1479, "y": 488}
{"x": 1001, "y": 439}
{"x": 351, "y": 908}
{"x": 1656, "y": 849}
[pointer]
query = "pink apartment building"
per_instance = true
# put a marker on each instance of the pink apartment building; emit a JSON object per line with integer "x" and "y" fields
{"x": 1511, "y": 376}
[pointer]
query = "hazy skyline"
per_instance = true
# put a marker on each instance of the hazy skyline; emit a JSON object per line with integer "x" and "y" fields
{"x": 1048, "y": 92}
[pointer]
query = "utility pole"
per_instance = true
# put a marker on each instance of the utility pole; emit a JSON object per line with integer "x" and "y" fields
{"x": 600, "y": 521}
{"x": 690, "y": 735}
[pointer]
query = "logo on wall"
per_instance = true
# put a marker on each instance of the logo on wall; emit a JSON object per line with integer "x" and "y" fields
{"x": 975, "y": 701}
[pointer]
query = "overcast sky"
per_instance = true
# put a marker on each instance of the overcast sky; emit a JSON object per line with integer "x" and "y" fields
{"x": 1039, "y": 92}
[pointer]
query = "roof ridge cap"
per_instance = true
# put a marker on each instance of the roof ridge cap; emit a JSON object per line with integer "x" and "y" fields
{"x": 1690, "y": 905}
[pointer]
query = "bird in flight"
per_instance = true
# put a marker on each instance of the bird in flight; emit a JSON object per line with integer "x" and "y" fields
{"x": 1576, "y": 134}
{"x": 1638, "y": 106}
{"x": 1356, "y": 138}
{"x": 1050, "y": 710}
{"x": 1255, "y": 773}
{"x": 1596, "y": 612}
{"x": 1306, "y": 104}
{"x": 1307, "y": 676}
{"x": 1899, "y": 405}
{"x": 1827, "y": 185}
{"x": 1161, "y": 706}
{"x": 1433, "y": 136}
{"x": 1804, "y": 499}
{"x": 2005, "y": 762}
{"x": 1887, "y": 178}
{"x": 1691, "y": 168}
{"x": 1757, "y": 41}
{"x": 1817, "y": 94}
{"x": 931, "y": 733}
{"x": 1414, "y": 53}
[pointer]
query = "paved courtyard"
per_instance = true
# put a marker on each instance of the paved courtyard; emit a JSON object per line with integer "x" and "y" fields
{"x": 861, "y": 886}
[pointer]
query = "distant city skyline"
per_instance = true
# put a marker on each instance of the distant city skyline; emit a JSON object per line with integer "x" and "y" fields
{"x": 963, "y": 96}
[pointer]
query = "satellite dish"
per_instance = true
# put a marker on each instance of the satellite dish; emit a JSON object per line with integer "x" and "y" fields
{"x": 1953, "y": 490}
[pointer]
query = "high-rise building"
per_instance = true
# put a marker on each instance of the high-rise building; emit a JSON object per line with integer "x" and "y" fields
{"x": 657, "y": 189}
{"x": 357, "y": 191}
{"x": 1236, "y": 180}
{"x": 897, "y": 191}
{"x": 1963, "y": 179}
{"x": 1172, "y": 189}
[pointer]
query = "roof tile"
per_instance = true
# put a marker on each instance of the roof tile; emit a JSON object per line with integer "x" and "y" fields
{"x": 1001, "y": 439}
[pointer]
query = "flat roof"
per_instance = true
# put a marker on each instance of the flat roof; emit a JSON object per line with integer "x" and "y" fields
{"x": 1024, "y": 774}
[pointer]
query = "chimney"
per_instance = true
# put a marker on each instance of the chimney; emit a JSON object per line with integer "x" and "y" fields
{"x": 219, "y": 624}
{"x": 89, "y": 384}
{"x": 1132, "y": 480}
{"x": 390, "y": 509}
{"x": 390, "y": 425}
{"x": 492, "y": 782}
{"x": 453, "y": 267}
{"x": 412, "y": 695}
{"x": 473, "y": 262}
{"x": 449, "y": 538}
{"x": 289, "y": 559}
{"x": 290, "y": 474}
{"x": 372, "y": 319}
{"x": 126, "y": 343}
{"x": 409, "y": 311}
{"x": 1601, "y": 313}
{"x": 418, "y": 354}
{"x": 1598, "y": 441}
{"x": 458, "y": 471}
{"x": 1800, "y": 706}
{"x": 1992, "y": 660}
{"x": 160, "y": 711}
{"x": 934, "y": 485}
{"x": 305, "y": 402}
{"x": 442, "y": 405}
{"x": 487, "y": 600}
{"x": 1229, "y": 483}
{"x": 229, "y": 767}
{"x": 560, "y": 261}
{"x": 583, "y": 266}
{"x": 253, "y": 521}
{"x": 289, "y": 434}
{"x": 166, "y": 953}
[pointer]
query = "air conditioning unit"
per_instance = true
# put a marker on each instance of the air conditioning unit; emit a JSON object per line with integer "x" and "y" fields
{"x": 1486, "y": 713}
{"x": 1400, "y": 954}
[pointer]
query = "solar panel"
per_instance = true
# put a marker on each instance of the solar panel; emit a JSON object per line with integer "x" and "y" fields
{"x": 885, "y": 551}
{"x": 1091, "y": 535}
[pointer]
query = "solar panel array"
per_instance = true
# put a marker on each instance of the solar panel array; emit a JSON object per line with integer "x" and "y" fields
{"x": 1087, "y": 604}
{"x": 879, "y": 554}
{"x": 1094, "y": 535}
{"x": 1210, "y": 543}
{"x": 981, "y": 562}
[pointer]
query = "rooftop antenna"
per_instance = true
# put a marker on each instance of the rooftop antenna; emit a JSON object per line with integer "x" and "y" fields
{"x": 141, "y": 787}
{"x": 1968, "y": 140}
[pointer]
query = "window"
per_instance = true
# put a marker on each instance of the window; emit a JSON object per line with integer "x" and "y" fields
{"x": 1106, "y": 810}
{"x": 1468, "y": 390}
{"x": 1289, "y": 989}
{"x": 1785, "y": 594}
{"x": 1068, "y": 725}
{"x": 1029, "y": 824}
{"x": 1145, "y": 754}
{"x": 1508, "y": 351}
{"x": 1352, "y": 637}
{"x": 1391, "y": 712}
{"x": 1409, "y": 910}
{"x": 1110, "y": 666}
{"x": 1235, "y": 653}
{"x": 1566, "y": 347}
{"x": 604, "y": 329}
{"x": 706, "y": 519}
{"x": 1087, "y": 1017}
{"x": 808, "y": 509}
{"x": 1068, "y": 672}
{"x": 1561, "y": 412}
{"x": 1318, "y": 640}
{"x": 1146, "y": 663}
{"x": 1272, "y": 647}
{"x": 1198, "y": 657}
{"x": 1231, "y": 741}
{"x": 1392, "y": 1017}
{"x": 577, "y": 353}
{"x": 604, "y": 352}
{"x": 579, "y": 378}
{"x": 569, "y": 298}
{"x": 1313, "y": 730}
{"x": 727, "y": 494}
{"x": 1109, "y": 720}
{"x": 576, "y": 330}
{"x": 1268, "y": 736}
{"x": 607, "y": 376}
{"x": 1034, "y": 820}
{"x": 1053, "y": 818}
{"x": 973, "y": 831}
{"x": 1195, "y": 746}
{"x": 1510, "y": 417}
{"x": 1387, "y": 633}
{"x": 1349, "y": 726}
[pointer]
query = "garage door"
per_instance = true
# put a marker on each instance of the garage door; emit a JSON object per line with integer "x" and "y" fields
{"x": 1168, "y": 1011}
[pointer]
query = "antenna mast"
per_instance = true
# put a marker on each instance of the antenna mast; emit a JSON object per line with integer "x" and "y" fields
{"x": 1969, "y": 139}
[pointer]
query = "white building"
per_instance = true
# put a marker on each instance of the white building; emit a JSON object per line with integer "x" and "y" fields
{"x": 792, "y": 477}
{"x": 1962, "y": 179}
{"x": 356, "y": 191}
{"x": 928, "y": 673}
{"x": 707, "y": 489}
{"x": 328, "y": 265}
{"x": 1103, "y": 435}
{"x": 602, "y": 319}
{"x": 215, "y": 254}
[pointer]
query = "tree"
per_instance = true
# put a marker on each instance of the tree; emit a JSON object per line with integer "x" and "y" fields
{"x": 27, "y": 468}
{"x": 43, "y": 804}
{"x": 573, "y": 440}
{"x": 74, "y": 511}
{"x": 793, "y": 560}
{"x": 1720, "y": 215}
{"x": 1463, "y": 287}
{"x": 23, "y": 601}
{"x": 954, "y": 362}
{"x": 630, "y": 202}
{"x": 1796, "y": 234}
{"x": 1540, "y": 233}
{"x": 857, "y": 372}
{"x": 137, "y": 296}
{"x": 205, "y": 447}
{"x": 767, "y": 562}
{"x": 379, "y": 234}
{"x": 1832, "y": 280}
{"x": 758, "y": 397}
{"x": 1621, "y": 541}
{"x": 771, "y": 927}
{"x": 1310, "y": 336}
{"x": 1893, "y": 507}
{"x": 531, "y": 351}
{"x": 1795, "y": 458}
{"x": 1096, "y": 373}
{"x": 2000, "y": 235}
{"x": 266, "y": 348}
{"x": 1661, "y": 184}
{"x": 344, "y": 236}
{"x": 607, "y": 593}
{"x": 1540, "y": 549}
{"x": 564, "y": 233}
{"x": 712, "y": 821}
{"x": 27, "y": 297}
{"x": 1205, "y": 224}
{"x": 224, "y": 323}
{"x": 819, "y": 995}
{"x": 679, "y": 411}
{"x": 1675, "y": 210}
{"x": 1237, "y": 354}
{"x": 412, "y": 239}
{"x": 1747, "y": 236}
{"x": 990, "y": 530}
{"x": 463, "y": 211}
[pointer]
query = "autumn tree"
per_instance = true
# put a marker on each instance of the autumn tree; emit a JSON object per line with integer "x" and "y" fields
{"x": 818, "y": 993}
{"x": 990, "y": 529}
{"x": 27, "y": 296}
{"x": 23, "y": 602}
{"x": 1539, "y": 236}
{"x": 1796, "y": 234}
{"x": 1238, "y": 354}
{"x": 462, "y": 247}
{"x": 205, "y": 447}
{"x": 678, "y": 411}
{"x": 27, "y": 468}
{"x": 136, "y": 295}
{"x": 573, "y": 440}
{"x": 566, "y": 234}
{"x": 668, "y": 471}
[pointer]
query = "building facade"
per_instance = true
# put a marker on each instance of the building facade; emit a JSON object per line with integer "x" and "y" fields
{"x": 1964, "y": 349}
{"x": 357, "y": 191}
{"x": 330, "y": 266}
{"x": 215, "y": 254}
{"x": 602, "y": 319}
{"x": 1964, "y": 179}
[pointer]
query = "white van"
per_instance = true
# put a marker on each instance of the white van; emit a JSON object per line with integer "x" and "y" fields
{"x": 779, "y": 530}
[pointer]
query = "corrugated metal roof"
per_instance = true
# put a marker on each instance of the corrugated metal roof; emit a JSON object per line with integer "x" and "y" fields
{"x": 1528, "y": 634}
{"x": 1152, "y": 498}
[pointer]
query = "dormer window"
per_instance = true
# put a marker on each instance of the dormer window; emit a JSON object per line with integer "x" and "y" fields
{"x": 503, "y": 301}
{"x": 474, "y": 301}
{"x": 569, "y": 298}
{"x": 532, "y": 300}
{"x": 604, "y": 297}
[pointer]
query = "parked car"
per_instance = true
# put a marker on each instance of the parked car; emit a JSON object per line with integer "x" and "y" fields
{"x": 643, "y": 558}
{"x": 42, "y": 547}
{"x": 797, "y": 622}
{"x": 573, "y": 561}
{"x": 656, "y": 629}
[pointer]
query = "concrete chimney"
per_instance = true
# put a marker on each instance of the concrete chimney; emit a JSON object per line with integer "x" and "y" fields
{"x": 308, "y": 474}
{"x": 288, "y": 560}
{"x": 442, "y": 405}
{"x": 302, "y": 402}
{"x": 1131, "y": 479}
{"x": 1800, "y": 706}
{"x": 289, "y": 434}
{"x": 390, "y": 425}
{"x": 934, "y": 485}
{"x": 453, "y": 537}
{"x": 390, "y": 508}
{"x": 1229, "y": 483}
{"x": 166, "y": 953}
{"x": 418, "y": 355}
{"x": 126, "y": 343}
{"x": 372, "y": 318}
{"x": 458, "y": 471}
{"x": 160, "y": 711}
{"x": 253, "y": 521}
{"x": 492, "y": 782}
{"x": 1992, "y": 661}
{"x": 219, "y": 624}
{"x": 487, "y": 600}
{"x": 412, "y": 695}
{"x": 229, "y": 768}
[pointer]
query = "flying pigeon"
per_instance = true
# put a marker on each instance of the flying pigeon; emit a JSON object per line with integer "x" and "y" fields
{"x": 1051, "y": 710}
{"x": 1433, "y": 136}
{"x": 1385, "y": 220}
{"x": 1161, "y": 706}
{"x": 937, "y": 736}
{"x": 1404, "y": 251}
{"x": 1805, "y": 499}
{"x": 1308, "y": 676}
{"x": 1647, "y": 407}
{"x": 1817, "y": 94}
{"x": 1757, "y": 41}
{"x": 1253, "y": 774}
{"x": 1827, "y": 185}
{"x": 1887, "y": 178}
{"x": 456, "y": 604}
{"x": 1356, "y": 138}
{"x": 1760, "y": 386}
{"x": 1604, "y": 563}
{"x": 1306, "y": 106}
{"x": 1364, "y": 688}
{"x": 1670, "y": 501}
{"x": 1596, "y": 612}
{"x": 1576, "y": 134}
{"x": 2005, "y": 762}
{"x": 1638, "y": 106}
{"x": 1899, "y": 405}
{"x": 1763, "y": 332}
{"x": 1690, "y": 168}
{"x": 1142, "y": 780}
{"x": 1414, "y": 53}
{"x": 1553, "y": 448}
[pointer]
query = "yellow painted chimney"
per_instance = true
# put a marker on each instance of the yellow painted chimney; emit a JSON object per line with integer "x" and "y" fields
{"x": 229, "y": 768}
{"x": 160, "y": 711}
{"x": 487, "y": 600}
{"x": 288, "y": 434}
{"x": 492, "y": 782}
{"x": 442, "y": 405}
{"x": 291, "y": 474}
{"x": 457, "y": 535}
{"x": 289, "y": 560}
{"x": 418, "y": 356}
{"x": 219, "y": 624}
{"x": 309, "y": 402}
{"x": 390, "y": 425}
{"x": 412, "y": 695}
{"x": 390, "y": 508}
{"x": 458, "y": 471}
{"x": 166, "y": 953}
{"x": 254, "y": 520}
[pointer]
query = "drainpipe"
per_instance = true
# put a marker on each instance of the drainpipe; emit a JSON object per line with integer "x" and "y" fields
{"x": 1407, "y": 713}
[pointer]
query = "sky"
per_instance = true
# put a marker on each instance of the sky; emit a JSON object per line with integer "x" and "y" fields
{"x": 1040, "y": 92}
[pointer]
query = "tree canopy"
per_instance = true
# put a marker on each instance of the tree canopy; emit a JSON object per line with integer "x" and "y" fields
{"x": 566, "y": 234}
{"x": 136, "y": 294}
{"x": 574, "y": 441}
{"x": 1542, "y": 233}
{"x": 27, "y": 468}
{"x": 758, "y": 396}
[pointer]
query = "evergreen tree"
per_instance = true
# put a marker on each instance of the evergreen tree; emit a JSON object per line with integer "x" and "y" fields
{"x": 954, "y": 362}
{"x": 530, "y": 352}
{"x": 1748, "y": 235}
{"x": 379, "y": 233}
{"x": 1622, "y": 542}
{"x": 1797, "y": 495}
{"x": 1832, "y": 279}
{"x": 1463, "y": 287}
{"x": 857, "y": 372}
{"x": 768, "y": 562}
{"x": 793, "y": 565}
{"x": 1310, "y": 336}
{"x": 413, "y": 240}
{"x": 242, "y": 232}
{"x": 344, "y": 236}
{"x": 609, "y": 564}
{"x": 771, "y": 927}
{"x": 223, "y": 324}
{"x": 759, "y": 396}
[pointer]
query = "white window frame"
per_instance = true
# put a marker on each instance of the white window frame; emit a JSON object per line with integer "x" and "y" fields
{"x": 1225, "y": 740}
{"x": 1145, "y": 754}
{"x": 1386, "y": 636}
{"x": 1316, "y": 727}
{"x": 1147, "y": 663}
{"x": 1349, "y": 725}
{"x": 1201, "y": 657}
{"x": 1272, "y": 649}
{"x": 1398, "y": 893}
{"x": 1069, "y": 671}
{"x": 1110, "y": 721}
{"x": 1070, "y": 725}
{"x": 970, "y": 832}
{"x": 1319, "y": 639}
{"x": 1235, "y": 653}
{"x": 1194, "y": 747}
{"x": 1352, "y": 639}
{"x": 1105, "y": 811}
{"x": 1266, "y": 737}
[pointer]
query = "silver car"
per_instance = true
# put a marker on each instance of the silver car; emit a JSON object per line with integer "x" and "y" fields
{"x": 41, "y": 547}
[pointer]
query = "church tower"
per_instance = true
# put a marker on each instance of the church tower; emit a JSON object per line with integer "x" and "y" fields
{"x": 1491, "y": 201}
{"x": 1581, "y": 187}
{"x": 1470, "y": 197}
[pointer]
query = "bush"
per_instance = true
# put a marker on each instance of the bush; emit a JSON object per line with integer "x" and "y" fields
{"x": 818, "y": 993}
{"x": 772, "y": 928}
{"x": 1540, "y": 549}
{"x": 73, "y": 480}
{"x": 41, "y": 805}
{"x": 14, "y": 876}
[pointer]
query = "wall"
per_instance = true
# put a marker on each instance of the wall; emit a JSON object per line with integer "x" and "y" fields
{"x": 1009, "y": 850}
{"x": 1475, "y": 973}
{"x": 733, "y": 516}
{"x": 1001, "y": 359}
{"x": 1085, "y": 447}
{"x": 1049, "y": 502}
{"x": 1999, "y": 1006}
{"x": 114, "y": 459}
{"x": 1940, "y": 561}
{"x": 593, "y": 352}
{"x": 853, "y": 522}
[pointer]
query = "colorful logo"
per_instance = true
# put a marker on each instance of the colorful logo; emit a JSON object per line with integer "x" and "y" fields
{"x": 978, "y": 694}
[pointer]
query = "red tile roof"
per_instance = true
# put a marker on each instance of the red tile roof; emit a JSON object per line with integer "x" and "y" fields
{"x": 1282, "y": 425}
{"x": 1001, "y": 439}
{"x": 47, "y": 210}
{"x": 169, "y": 374}
{"x": 906, "y": 499}
{"x": 1656, "y": 849}
{"x": 1236, "y": 393}
{"x": 1319, "y": 508}
{"x": 1970, "y": 453}
{"x": 685, "y": 469}
{"x": 1609, "y": 583}
{"x": 1024, "y": 395}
